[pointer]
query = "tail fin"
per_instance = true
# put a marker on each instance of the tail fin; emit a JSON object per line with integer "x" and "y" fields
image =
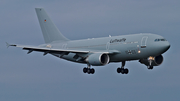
{"x": 49, "y": 30}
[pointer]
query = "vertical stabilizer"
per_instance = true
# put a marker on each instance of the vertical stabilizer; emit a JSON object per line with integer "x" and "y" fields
{"x": 49, "y": 30}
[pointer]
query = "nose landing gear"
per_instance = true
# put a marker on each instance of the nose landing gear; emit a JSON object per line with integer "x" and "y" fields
{"x": 150, "y": 67}
{"x": 150, "y": 59}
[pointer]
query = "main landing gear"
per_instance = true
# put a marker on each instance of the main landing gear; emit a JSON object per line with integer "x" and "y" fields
{"x": 88, "y": 70}
{"x": 122, "y": 70}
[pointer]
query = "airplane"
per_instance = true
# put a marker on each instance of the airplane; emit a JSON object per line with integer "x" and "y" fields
{"x": 145, "y": 47}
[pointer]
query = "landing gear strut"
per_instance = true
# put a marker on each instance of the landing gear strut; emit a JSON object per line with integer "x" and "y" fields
{"x": 88, "y": 70}
{"x": 150, "y": 64}
{"x": 122, "y": 70}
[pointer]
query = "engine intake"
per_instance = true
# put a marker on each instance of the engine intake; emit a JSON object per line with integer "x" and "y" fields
{"x": 155, "y": 61}
{"x": 98, "y": 59}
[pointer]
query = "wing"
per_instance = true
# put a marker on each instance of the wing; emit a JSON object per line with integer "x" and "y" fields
{"x": 47, "y": 50}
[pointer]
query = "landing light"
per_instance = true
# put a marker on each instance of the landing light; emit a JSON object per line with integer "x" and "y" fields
{"x": 139, "y": 51}
{"x": 151, "y": 58}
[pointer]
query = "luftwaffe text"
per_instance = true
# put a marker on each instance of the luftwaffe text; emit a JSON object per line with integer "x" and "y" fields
{"x": 117, "y": 40}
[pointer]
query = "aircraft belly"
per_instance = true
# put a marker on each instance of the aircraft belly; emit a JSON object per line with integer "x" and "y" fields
{"x": 123, "y": 57}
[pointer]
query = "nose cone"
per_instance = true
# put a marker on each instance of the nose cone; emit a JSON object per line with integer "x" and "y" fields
{"x": 159, "y": 47}
{"x": 166, "y": 46}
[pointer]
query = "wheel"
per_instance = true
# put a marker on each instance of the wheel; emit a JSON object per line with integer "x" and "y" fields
{"x": 89, "y": 71}
{"x": 85, "y": 70}
{"x": 92, "y": 71}
{"x": 122, "y": 71}
{"x": 150, "y": 67}
{"x": 118, "y": 70}
{"x": 126, "y": 71}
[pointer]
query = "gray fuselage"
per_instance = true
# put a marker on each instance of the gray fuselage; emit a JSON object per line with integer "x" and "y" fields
{"x": 129, "y": 47}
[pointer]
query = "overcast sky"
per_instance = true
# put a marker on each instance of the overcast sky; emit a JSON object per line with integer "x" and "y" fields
{"x": 35, "y": 77}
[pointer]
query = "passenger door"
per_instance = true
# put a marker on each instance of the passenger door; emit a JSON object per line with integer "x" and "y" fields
{"x": 143, "y": 41}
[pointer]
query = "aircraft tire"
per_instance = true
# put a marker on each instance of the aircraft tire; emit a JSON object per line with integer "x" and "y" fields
{"x": 85, "y": 70}
{"x": 126, "y": 71}
{"x": 92, "y": 71}
{"x": 150, "y": 67}
{"x": 118, "y": 70}
{"x": 122, "y": 71}
{"x": 89, "y": 71}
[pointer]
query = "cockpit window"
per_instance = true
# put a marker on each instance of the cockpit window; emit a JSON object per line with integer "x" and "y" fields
{"x": 160, "y": 40}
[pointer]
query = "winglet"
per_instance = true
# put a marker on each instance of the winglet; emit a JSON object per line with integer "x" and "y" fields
{"x": 7, "y": 44}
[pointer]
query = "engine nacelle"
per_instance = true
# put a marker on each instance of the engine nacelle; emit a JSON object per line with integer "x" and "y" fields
{"x": 98, "y": 59}
{"x": 155, "y": 61}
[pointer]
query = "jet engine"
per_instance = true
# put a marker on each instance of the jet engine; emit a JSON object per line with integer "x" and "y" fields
{"x": 98, "y": 59}
{"x": 152, "y": 61}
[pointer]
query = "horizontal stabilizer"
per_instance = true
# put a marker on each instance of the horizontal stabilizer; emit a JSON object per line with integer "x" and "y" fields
{"x": 7, "y": 44}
